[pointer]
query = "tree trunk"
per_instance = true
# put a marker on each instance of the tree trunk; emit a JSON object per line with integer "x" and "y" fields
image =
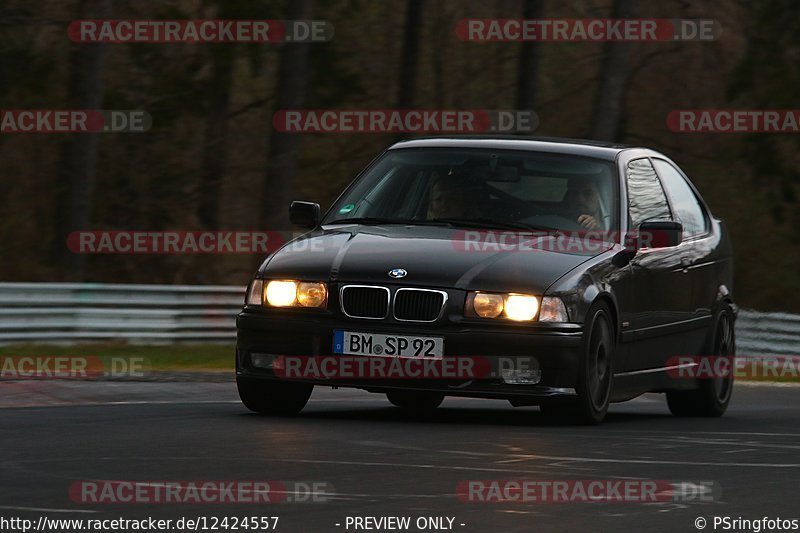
{"x": 284, "y": 147}
{"x": 528, "y": 69}
{"x": 78, "y": 160}
{"x": 614, "y": 77}
{"x": 214, "y": 148}
{"x": 441, "y": 57}
{"x": 409, "y": 62}
{"x": 407, "y": 85}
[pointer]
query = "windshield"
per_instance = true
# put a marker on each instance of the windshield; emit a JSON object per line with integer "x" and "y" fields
{"x": 484, "y": 188}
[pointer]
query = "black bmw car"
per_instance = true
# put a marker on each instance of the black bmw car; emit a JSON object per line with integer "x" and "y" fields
{"x": 565, "y": 274}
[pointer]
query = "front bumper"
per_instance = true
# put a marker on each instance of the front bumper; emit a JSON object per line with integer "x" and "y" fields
{"x": 556, "y": 348}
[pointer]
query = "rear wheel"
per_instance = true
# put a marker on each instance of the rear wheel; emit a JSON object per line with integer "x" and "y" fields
{"x": 711, "y": 399}
{"x": 415, "y": 401}
{"x": 273, "y": 397}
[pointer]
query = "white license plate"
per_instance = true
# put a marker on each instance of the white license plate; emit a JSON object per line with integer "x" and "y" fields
{"x": 354, "y": 343}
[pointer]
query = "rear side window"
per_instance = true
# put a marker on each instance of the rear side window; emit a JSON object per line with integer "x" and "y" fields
{"x": 646, "y": 198}
{"x": 687, "y": 208}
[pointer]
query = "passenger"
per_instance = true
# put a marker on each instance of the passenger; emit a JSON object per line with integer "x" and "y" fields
{"x": 451, "y": 196}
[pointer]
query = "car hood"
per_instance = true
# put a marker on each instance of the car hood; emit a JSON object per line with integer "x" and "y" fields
{"x": 432, "y": 256}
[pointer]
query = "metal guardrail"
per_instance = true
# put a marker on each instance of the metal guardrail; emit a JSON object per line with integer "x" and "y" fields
{"x": 73, "y": 312}
{"x": 767, "y": 333}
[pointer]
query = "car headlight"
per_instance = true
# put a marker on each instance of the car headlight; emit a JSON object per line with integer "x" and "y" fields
{"x": 517, "y": 307}
{"x": 312, "y": 294}
{"x": 521, "y": 307}
{"x": 513, "y": 306}
{"x": 281, "y": 293}
{"x": 488, "y": 305}
{"x": 288, "y": 293}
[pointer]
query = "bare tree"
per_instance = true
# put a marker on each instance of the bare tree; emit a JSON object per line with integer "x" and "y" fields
{"x": 440, "y": 57}
{"x": 409, "y": 66}
{"x": 528, "y": 68}
{"x": 615, "y": 72}
{"x": 78, "y": 158}
{"x": 214, "y": 147}
{"x": 409, "y": 62}
{"x": 284, "y": 148}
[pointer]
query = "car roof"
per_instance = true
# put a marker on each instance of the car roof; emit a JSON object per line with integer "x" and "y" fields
{"x": 580, "y": 147}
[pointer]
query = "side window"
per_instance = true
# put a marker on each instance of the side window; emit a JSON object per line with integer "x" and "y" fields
{"x": 646, "y": 199}
{"x": 684, "y": 202}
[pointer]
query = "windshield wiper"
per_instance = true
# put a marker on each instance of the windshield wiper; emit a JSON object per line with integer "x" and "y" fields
{"x": 379, "y": 220}
{"x": 491, "y": 224}
{"x": 484, "y": 223}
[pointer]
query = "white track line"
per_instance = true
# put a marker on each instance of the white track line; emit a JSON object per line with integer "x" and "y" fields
{"x": 46, "y": 510}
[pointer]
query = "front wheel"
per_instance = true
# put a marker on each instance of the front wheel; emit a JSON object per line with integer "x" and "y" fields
{"x": 595, "y": 372}
{"x": 273, "y": 397}
{"x": 711, "y": 399}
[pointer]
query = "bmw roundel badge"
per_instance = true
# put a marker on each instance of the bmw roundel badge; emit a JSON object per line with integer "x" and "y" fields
{"x": 398, "y": 273}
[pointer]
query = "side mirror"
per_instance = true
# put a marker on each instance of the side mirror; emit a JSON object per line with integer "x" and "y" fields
{"x": 304, "y": 214}
{"x": 656, "y": 234}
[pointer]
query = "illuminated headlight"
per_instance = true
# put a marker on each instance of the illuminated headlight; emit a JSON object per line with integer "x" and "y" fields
{"x": 488, "y": 305}
{"x": 281, "y": 293}
{"x": 519, "y": 307}
{"x": 312, "y": 294}
{"x": 288, "y": 293}
{"x": 553, "y": 310}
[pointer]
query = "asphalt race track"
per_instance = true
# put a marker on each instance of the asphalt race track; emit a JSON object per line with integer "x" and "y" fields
{"x": 380, "y": 461}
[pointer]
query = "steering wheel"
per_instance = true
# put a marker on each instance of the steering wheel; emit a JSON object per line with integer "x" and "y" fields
{"x": 521, "y": 206}
{"x": 553, "y": 221}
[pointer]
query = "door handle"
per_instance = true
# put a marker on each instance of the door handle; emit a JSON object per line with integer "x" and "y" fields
{"x": 685, "y": 263}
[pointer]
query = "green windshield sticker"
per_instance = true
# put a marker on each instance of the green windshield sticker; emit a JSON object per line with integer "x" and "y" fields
{"x": 347, "y": 208}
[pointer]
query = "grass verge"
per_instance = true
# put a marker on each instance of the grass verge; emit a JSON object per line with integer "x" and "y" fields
{"x": 161, "y": 358}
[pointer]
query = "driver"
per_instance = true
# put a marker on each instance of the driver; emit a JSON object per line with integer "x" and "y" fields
{"x": 582, "y": 203}
{"x": 450, "y": 197}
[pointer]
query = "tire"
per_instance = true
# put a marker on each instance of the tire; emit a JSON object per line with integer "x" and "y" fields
{"x": 711, "y": 399}
{"x": 595, "y": 372}
{"x": 273, "y": 397}
{"x": 415, "y": 401}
